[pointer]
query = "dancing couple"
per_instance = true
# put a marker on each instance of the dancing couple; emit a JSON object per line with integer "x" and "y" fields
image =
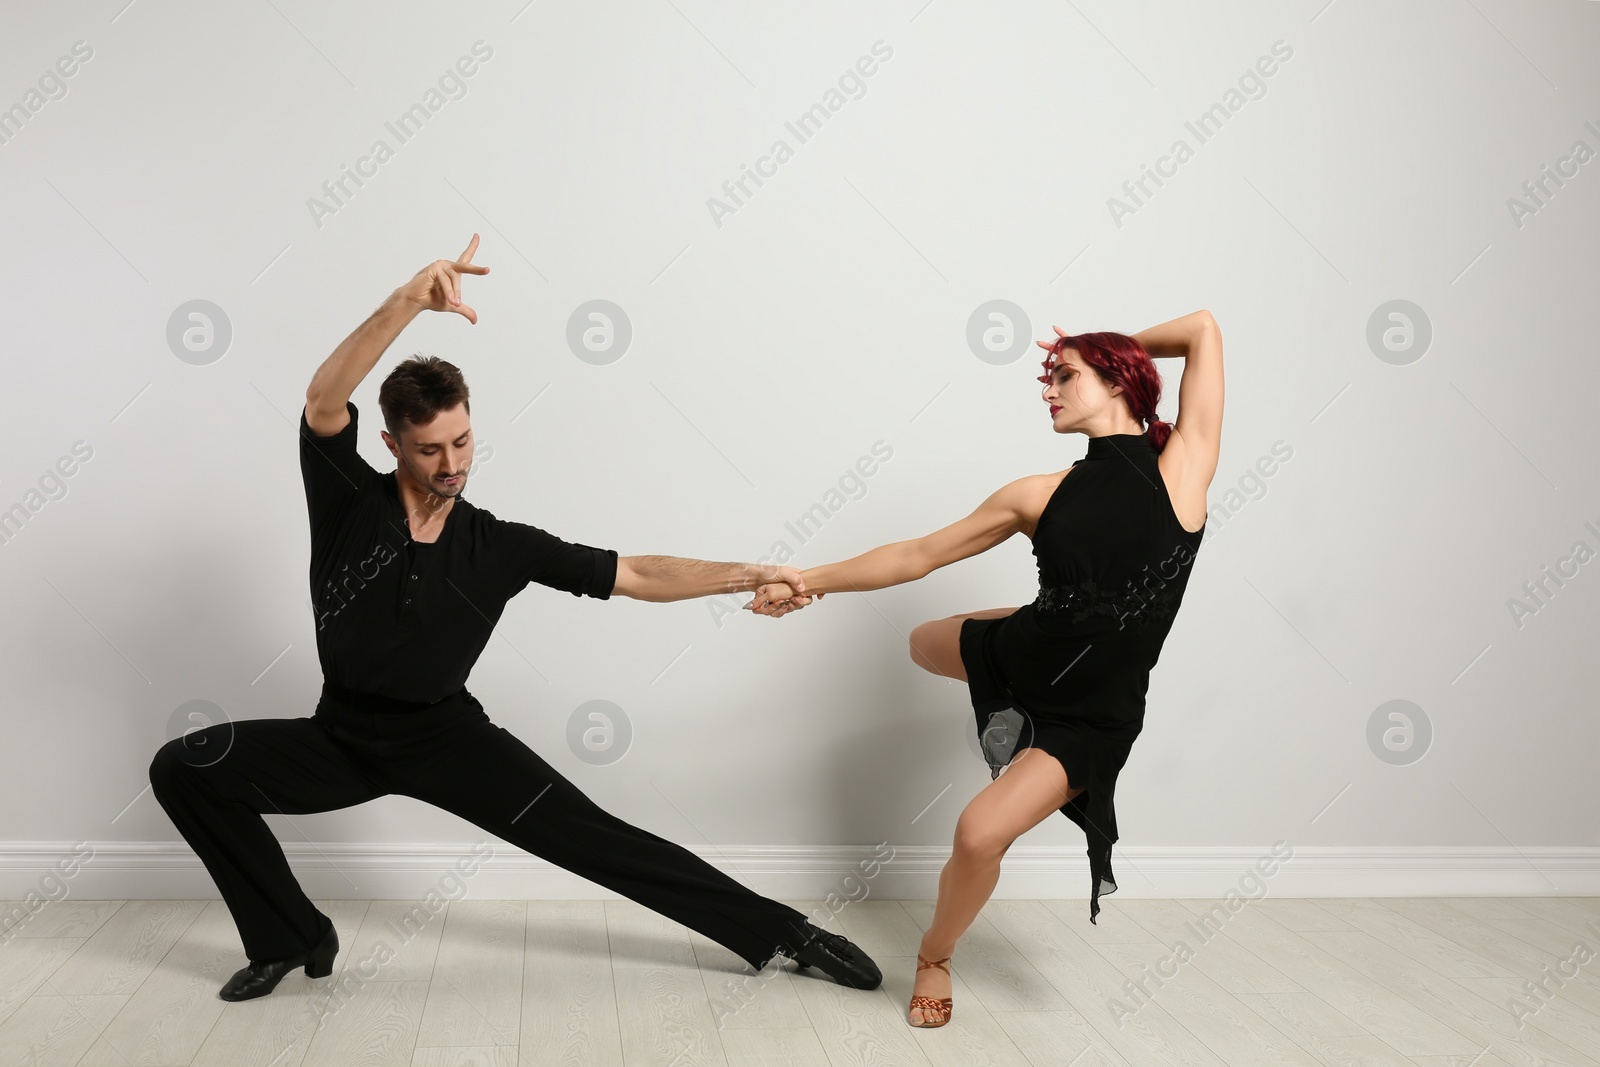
{"x": 408, "y": 579}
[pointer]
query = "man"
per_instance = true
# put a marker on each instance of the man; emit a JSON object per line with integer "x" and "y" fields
{"x": 408, "y": 579}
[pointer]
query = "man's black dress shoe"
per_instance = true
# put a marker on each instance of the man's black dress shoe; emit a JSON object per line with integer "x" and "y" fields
{"x": 259, "y": 979}
{"x": 838, "y": 958}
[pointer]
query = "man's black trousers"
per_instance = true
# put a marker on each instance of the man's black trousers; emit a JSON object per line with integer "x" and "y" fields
{"x": 216, "y": 784}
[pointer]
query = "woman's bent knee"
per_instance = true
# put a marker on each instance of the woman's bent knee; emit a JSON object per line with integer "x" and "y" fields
{"x": 919, "y": 643}
{"x": 936, "y": 648}
{"x": 981, "y": 841}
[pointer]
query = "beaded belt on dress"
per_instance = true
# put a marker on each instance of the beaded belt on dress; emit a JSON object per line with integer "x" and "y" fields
{"x": 1076, "y": 602}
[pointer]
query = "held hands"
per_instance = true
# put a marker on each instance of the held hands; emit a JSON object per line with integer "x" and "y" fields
{"x": 437, "y": 287}
{"x": 781, "y": 595}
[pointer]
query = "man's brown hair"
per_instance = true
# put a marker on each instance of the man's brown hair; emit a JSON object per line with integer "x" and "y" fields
{"x": 418, "y": 389}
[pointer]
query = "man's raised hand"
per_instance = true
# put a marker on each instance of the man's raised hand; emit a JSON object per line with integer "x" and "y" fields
{"x": 437, "y": 287}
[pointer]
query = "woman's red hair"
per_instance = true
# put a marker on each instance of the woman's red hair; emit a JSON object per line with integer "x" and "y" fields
{"x": 1119, "y": 360}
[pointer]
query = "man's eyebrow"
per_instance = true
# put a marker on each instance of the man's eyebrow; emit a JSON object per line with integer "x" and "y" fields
{"x": 431, "y": 444}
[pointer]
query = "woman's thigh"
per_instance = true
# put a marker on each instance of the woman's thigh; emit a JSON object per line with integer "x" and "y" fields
{"x": 1032, "y": 786}
{"x": 936, "y": 644}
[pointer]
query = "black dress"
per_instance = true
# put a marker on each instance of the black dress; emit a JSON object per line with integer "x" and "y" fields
{"x": 1068, "y": 672}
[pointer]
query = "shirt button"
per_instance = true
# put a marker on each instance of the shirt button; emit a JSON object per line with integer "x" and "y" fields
{"x": 408, "y": 600}
{"x": 413, "y": 577}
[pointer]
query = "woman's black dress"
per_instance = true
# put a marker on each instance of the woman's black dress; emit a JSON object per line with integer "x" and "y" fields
{"x": 1068, "y": 672}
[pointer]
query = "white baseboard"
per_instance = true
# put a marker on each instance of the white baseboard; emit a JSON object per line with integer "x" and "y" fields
{"x": 160, "y": 870}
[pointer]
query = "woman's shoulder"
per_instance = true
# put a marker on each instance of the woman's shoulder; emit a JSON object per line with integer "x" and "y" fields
{"x": 1033, "y": 493}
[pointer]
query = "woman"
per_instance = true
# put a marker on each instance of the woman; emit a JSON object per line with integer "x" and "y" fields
{"x": 1058, "y": 685}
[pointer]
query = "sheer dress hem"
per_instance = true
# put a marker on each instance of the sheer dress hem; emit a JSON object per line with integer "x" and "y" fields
{"x": 1091, "y": 755}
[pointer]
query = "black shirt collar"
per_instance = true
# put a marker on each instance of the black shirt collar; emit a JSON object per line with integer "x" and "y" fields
{"x": 402, "y": 522}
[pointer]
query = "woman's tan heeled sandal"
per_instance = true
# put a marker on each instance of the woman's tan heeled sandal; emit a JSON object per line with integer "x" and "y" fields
{"x": 935, "y": 1011}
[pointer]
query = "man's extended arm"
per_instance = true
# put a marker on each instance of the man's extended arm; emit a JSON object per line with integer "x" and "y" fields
{"x": 665, "y": 578}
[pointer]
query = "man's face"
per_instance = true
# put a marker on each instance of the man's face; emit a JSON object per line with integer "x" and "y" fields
{"x": 437, "y": 455}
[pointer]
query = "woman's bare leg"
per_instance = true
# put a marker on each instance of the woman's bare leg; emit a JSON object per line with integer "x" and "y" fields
{"x": 936, "y": 644}
{"x": 1034, "y": 785}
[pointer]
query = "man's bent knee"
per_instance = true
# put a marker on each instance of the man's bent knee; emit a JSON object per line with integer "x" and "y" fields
{"x": 197, "y": 748}
{"x": 168, "y": 761}
{"x": 170, "y": 775}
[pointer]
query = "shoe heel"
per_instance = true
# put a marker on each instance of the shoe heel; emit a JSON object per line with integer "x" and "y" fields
{"x": 320, "y": 963}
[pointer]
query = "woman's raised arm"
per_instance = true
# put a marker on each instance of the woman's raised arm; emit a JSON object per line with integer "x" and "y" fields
{"x": 1198, "y": 339}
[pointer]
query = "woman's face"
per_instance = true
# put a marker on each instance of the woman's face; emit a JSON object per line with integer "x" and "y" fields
{"x": 1075, "y": 393}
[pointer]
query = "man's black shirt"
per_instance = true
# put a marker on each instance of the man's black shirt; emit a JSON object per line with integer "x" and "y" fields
{"x": 406, "y": 619}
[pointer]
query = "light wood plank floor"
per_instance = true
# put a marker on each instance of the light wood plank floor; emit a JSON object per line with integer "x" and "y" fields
{"x": 495, "y": 983}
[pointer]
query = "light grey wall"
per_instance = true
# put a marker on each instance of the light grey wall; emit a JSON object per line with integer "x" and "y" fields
{"x": 1411, "y": 494}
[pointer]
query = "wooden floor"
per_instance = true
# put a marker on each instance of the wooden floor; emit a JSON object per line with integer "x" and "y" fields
{"x": 522, "y": 983}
